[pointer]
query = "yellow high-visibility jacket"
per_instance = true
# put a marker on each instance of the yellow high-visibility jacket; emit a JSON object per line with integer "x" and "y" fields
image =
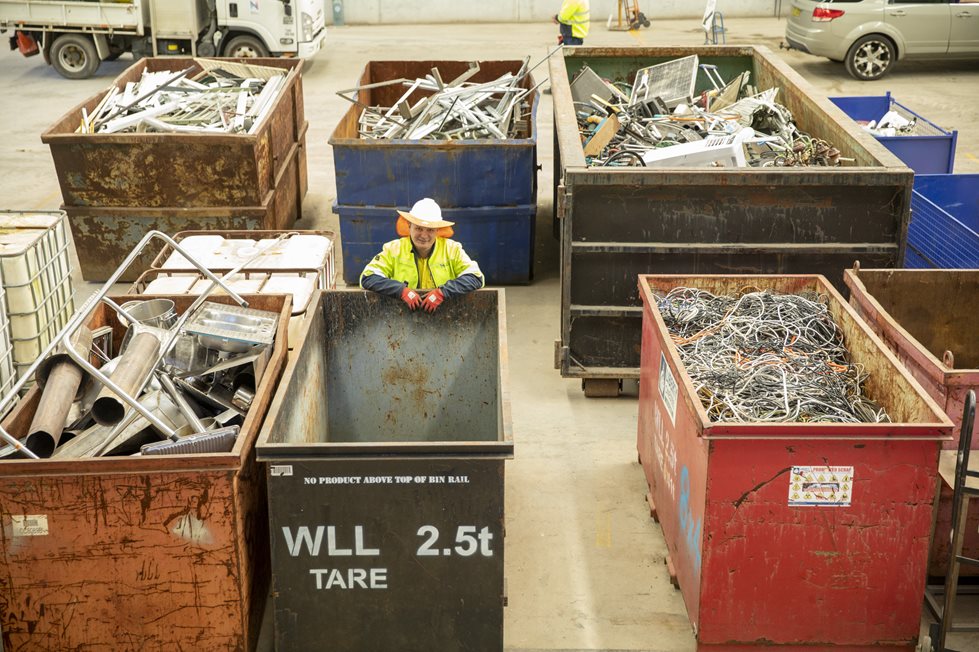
{"x": 575, "y": 13}
{"x": 447, "y": 262}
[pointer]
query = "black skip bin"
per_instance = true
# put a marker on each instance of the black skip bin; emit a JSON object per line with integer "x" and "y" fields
{"x": 385, "y": 449}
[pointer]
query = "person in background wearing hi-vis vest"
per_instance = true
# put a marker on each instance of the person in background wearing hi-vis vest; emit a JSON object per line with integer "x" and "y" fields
{"x": 423, "y": 260}
{"x": 573, "y": 22}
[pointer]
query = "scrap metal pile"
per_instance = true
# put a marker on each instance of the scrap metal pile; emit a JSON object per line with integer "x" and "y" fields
{"x": 893, "y": 123}
{"x": 175, "y": 384}
{"x": 431, "y": 109}
{"x": 661, "y": 121}
{"x": 765, "y": 357}
{"x": 224, "y": 97}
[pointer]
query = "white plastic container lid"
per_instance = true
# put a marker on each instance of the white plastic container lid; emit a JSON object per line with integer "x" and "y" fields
{"x": 300, "y": 287}
{"x": 301, "y": 251}
{"x": 170, "y": 285}
{"x": 17, "y": 221}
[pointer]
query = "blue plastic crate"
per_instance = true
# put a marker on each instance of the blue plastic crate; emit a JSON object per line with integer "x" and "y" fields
{"x": 929, "y": 151}
{"x": 499, "y": 238}
{"x": 944, "y": 228}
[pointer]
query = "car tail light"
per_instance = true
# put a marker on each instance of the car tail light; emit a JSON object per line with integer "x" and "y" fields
{"x": 824, "y": 15}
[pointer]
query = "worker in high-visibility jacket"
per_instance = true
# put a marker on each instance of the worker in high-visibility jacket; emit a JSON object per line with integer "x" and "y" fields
{"x": 424, "y": 267}
{"x": 573, "y": 22}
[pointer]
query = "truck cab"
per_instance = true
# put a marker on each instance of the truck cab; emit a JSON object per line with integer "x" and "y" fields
{"x": 259, "y": 28}
{"x": 75, "y": 37}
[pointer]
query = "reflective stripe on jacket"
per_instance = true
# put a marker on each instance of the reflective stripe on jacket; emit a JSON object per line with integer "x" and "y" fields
{"x": 575, "y": 13}
{"x": 447, "y": 261}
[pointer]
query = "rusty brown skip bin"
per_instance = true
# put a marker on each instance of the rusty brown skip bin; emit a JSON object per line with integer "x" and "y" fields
{"x": 177, "y": 170}
{"x": 104, "y": 236}
{"x": 920, "y": 314}
{"x": 138, "y": 553}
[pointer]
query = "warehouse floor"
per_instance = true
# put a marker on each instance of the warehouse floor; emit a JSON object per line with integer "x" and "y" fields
{"x": 584, "y": 562}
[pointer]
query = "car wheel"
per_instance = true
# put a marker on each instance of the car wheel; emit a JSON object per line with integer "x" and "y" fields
{"x": 245, "y": 47}
{"x": 871, "y": 57}
{"x": 74, "y": 56}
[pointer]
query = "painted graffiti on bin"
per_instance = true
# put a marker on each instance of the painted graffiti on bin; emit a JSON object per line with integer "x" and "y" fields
{"x": 690, "y": 528}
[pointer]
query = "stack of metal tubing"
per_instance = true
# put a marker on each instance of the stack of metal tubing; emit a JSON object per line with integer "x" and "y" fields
{"x": 220, "y": 99}
{"x": 179, "y": 384}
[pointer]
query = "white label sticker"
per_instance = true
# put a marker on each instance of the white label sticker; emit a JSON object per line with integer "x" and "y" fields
{"x": 31, "y": 525}
{"x": 667, "y": 388}
{"x": 827, "y": 486}
{"x": 281, "y": 470}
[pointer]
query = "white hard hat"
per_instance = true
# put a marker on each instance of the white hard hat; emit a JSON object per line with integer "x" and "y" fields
{"x": 426, "y": 213}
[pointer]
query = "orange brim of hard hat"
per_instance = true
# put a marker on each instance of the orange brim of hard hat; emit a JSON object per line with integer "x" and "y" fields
{"x": 402, "y": 228}
{"x": 437, "y": 224}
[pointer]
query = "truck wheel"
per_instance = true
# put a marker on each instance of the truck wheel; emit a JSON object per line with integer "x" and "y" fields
{"x": 74, "y": 56}
{"x": 871, "y": 57}
{"x": 245, "y": 47}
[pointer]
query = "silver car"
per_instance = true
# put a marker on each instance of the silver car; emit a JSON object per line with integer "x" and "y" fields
{"x": 869, "y": 36}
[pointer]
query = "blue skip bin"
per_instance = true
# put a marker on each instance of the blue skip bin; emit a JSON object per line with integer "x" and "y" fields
{"x": 456, "y": 173}
{"x": 930, "y": 150}
{"x": 944, "y": 228}
{"x": 499, "y": 238}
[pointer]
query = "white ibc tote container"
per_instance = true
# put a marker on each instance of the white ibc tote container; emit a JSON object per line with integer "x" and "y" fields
{"x": 35, "y": 266}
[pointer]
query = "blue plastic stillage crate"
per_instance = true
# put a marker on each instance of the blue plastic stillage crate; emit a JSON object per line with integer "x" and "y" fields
{"x": 930, "y": 150}
{"x": 457, "y": 173}
{"x": 499, "y": 238}
{"x": 944, "y": 228}
{"x": 487, "y": 186}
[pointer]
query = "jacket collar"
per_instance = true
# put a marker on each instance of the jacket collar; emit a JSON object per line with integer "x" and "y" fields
{"x": 414, "y": 250}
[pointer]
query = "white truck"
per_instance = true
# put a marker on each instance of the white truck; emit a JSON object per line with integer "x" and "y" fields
{"x": 75, "y": 37}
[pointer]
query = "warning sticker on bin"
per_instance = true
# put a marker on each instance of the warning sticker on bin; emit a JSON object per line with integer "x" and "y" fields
{"x": 667, "y": 388}
{"x": 825, "y": 486}
{"x": 31, "y": 525}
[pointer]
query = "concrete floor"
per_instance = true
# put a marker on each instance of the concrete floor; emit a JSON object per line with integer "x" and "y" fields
{"x": 584, "y": 562}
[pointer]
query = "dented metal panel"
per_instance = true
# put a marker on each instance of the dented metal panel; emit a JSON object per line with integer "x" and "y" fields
{"x": 615, "y": 224}
{"x": 150, "y": 553}
{"x": 756, "y": 567}
{"x": 104, "y": 235}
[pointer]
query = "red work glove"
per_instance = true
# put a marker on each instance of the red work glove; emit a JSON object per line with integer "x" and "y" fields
{"x": 412, "y": 298}
{"x": 433, "y": 300}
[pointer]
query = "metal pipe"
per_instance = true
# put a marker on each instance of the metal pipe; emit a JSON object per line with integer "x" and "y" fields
{"x": 131, "y": 373}
{"x": 61, "y": 380}
{"x": 83, "y": 313}
{"x": 52, "y": 410}
{"x": 174, "y": 333}
{"x": 181, "y": 402}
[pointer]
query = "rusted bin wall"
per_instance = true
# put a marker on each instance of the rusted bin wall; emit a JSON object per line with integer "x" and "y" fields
{"x": 148, "y": 553}
{"x": 385, "y": 446}
{"x": 617, "y": 223}
{"x": 928, "y": 319}
{"x": 114, "y": 185}
{"x": 756, "y": 567}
